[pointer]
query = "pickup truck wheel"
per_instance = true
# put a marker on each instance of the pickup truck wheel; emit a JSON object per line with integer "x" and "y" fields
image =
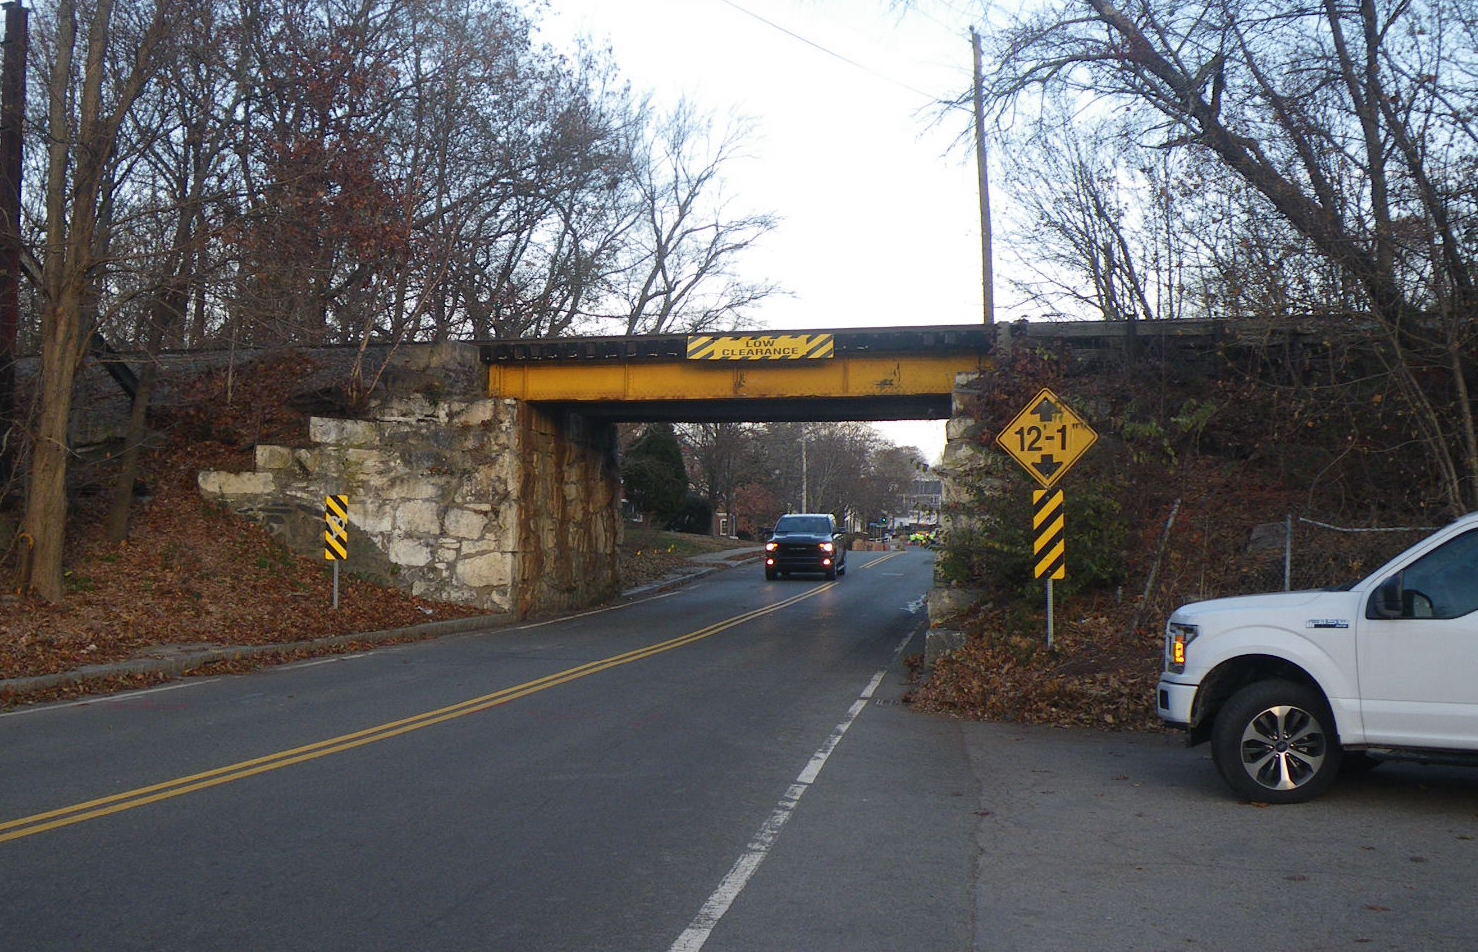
{"x": 1274, "y": 742}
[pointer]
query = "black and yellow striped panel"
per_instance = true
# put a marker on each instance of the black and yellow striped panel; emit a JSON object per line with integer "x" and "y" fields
{"x": 336, "y": 527}
{"x": 1049, "y": 546}
{"x": 776, "y": 347}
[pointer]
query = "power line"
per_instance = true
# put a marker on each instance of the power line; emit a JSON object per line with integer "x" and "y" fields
{"x": 948, "y": 27}
{"x": 833, "y": 53}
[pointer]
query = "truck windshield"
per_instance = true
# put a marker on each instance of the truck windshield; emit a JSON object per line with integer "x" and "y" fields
{"x": 812, "y": 525}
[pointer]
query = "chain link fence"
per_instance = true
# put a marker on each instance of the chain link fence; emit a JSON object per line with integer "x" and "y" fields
{"x": 1320, "y": 555}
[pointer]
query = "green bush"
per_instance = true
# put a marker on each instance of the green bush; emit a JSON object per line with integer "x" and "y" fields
{"x": 995, "y": 552}
{"x": 695, "y": 516}
{"x": 653, "y": 474}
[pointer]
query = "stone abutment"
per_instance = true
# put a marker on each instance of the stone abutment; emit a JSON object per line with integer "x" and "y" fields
{"x": 488, "y": 502}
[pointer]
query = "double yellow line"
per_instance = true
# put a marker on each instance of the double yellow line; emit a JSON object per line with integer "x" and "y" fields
{"x": 890, "y": 555}
{"x": 119, "y": 802}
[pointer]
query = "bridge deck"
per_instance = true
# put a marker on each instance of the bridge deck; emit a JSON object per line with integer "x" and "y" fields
{"x": 873, "y": 374}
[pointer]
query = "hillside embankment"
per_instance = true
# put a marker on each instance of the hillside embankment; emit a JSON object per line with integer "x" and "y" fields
{"x": 193, "y": 578}
{"x": 1201, "y": 469}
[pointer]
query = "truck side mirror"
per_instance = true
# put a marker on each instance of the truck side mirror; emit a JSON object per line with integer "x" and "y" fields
{"x": 1386, "y": 601}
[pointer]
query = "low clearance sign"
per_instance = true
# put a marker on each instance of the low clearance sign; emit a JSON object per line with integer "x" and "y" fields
{"x": 774, "y": 347}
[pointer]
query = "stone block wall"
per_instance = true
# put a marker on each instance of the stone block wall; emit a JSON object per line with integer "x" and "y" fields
{"x": 454, "y": 500}
{"x": 570, "y": 467}
{"x": 967, "y": 458}
{"x": 966, "y": 461}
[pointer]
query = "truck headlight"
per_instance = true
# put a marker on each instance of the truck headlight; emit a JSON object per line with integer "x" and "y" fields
{"x": 828, "y": 547}
{"x": 1177, "y": 636}
{"x": 771, "y": 546}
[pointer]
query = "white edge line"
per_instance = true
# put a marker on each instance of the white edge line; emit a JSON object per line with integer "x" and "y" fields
{"x": 189, "y": 683}
{"x": 193, "y": 682}
{"x": 593, "y": 611}
{"x": 317, "y": 661}
{"x": 110, "y": 698}
{"x": 696, "y": 934}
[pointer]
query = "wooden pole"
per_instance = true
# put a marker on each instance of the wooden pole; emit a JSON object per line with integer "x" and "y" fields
{"x": 12, "y": 113}
{"x": 982, "y": 167}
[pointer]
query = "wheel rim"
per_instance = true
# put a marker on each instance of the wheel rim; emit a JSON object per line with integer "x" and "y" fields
{"x": 1283, "y": 747}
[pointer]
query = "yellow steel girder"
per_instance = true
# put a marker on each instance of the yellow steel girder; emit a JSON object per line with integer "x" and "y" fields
{"x": 627, "y": 381}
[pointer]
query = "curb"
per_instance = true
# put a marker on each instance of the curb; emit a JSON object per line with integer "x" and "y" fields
{"x": 670, "y": 582}
{"x": 682, "y": 578}
{"x": 16, "y": 687}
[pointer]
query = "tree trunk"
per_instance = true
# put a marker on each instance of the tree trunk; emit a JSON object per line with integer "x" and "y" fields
{"x": 121, "y": 505}
{"x": 168, "y": 306}
{"x": 46, "y": 497}
{"x": 84, "y": 148}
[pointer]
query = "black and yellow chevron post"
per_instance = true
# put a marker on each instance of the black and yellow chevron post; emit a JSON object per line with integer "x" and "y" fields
{"x": 1049, "y": 544}
{"x": 336, "y": 535}
{"x": 1049, "y": 547}
{"x": 336, "y": 527}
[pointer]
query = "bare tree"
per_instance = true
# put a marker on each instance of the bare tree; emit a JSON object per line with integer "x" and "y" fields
{"x": 84, "y": 113}
{"x": 724, "y": 457}
{"x": 1096, "y": 221}
{"x": 687, "y": 241}
{"x": 886, "y": 481}
{"x": 556, "y": 209}
{"x": 1341, "y": 120}
{"x": 395, "y": 170}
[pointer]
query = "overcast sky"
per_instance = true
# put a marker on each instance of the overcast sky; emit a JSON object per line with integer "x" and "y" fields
{"x": 876, "y": 195}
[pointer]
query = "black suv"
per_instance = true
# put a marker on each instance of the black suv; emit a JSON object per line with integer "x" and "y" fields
{"x": 805, "y": 542}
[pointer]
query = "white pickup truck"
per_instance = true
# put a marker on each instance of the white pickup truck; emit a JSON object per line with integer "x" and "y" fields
{"x": 1291, "y": 687}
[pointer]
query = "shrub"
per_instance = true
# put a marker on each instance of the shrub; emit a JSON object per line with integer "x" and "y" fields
{"x": 995, "y": 551}
{"x": 696, "y": 516}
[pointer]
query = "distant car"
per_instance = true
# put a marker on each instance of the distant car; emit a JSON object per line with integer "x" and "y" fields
{"x": 805, "y": 542}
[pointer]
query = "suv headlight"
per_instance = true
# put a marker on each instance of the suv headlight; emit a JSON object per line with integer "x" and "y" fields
{"x": 1177, "y": 636}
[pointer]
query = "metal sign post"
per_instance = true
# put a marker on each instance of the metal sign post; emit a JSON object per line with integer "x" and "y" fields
{"x": 336, "y": 535}
{"x": 1049, "y": 545}
{"x": 1047, "y": 438}
{"x": 1049, "y": 611}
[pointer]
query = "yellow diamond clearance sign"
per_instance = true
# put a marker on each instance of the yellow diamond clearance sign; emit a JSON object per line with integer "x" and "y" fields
{"x": 1047, "y": 438}
{"x": 769, "y": 347}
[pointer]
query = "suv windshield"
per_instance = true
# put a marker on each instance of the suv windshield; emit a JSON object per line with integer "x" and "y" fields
{"x": 812, "y": 525}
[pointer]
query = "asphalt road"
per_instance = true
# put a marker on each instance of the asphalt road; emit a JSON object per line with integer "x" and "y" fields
{"x": 665, "y": 775}
{"x": 725, "y": 767}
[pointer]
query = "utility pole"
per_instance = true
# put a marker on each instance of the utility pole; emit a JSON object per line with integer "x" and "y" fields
{"x": 12, "y": 112}
{"x": 805, "y": 475}
{"x": 987, "y": 270}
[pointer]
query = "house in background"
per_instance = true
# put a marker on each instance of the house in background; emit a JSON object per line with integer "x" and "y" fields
{"x": 920, "y": 505}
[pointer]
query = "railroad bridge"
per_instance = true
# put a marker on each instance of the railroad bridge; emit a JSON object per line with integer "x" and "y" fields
{"x": 857, "y": 374}
{"x": 486, "y": 472}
